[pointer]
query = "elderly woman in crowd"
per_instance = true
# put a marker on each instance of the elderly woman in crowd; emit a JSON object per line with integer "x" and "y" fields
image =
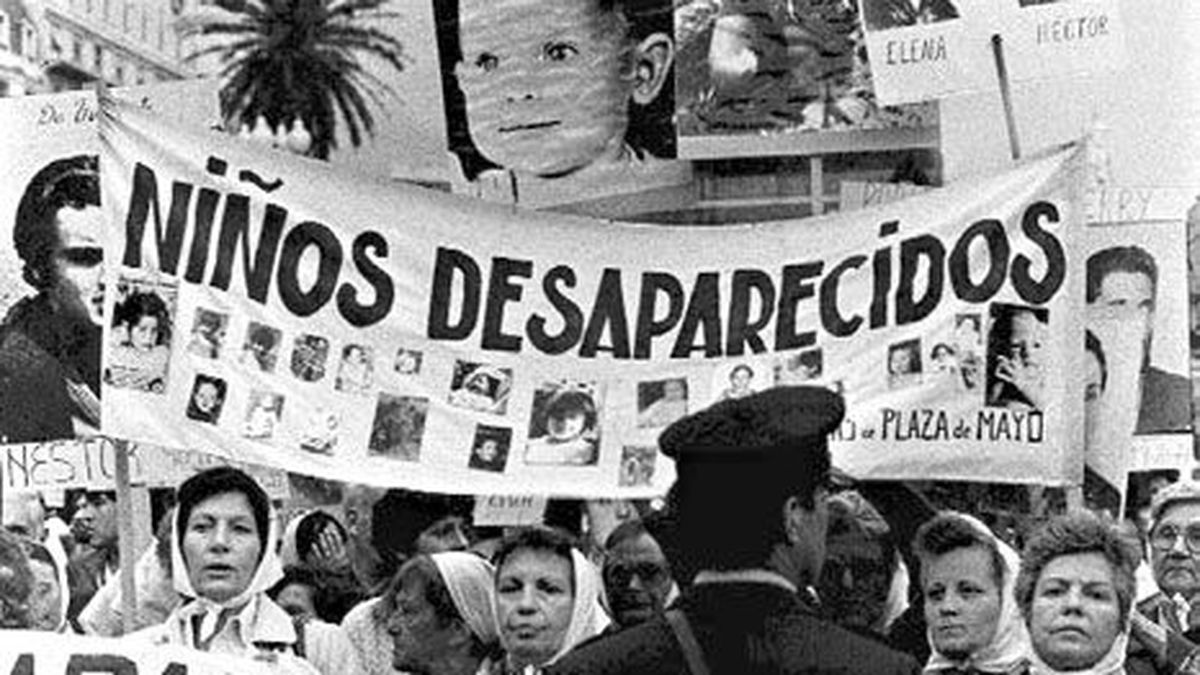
{"x": 1076, "y": 590}
{"x": 967, "y": 580}
{"x": 547, "y": 599}
{"x": 441, "y": 615}
{"x": 223, "y": 561}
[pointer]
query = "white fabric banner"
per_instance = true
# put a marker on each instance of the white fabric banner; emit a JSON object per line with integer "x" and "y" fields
{"x": 41, "y": 653}
{"x": 397, "y": 336}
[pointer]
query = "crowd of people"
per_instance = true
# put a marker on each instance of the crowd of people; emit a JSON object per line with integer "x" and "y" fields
{"x": 763, "y": 558}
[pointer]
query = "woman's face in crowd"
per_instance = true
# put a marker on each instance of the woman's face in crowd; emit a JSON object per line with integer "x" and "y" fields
{"x": 221, "y": 546}
{"x": 45, "y": 603}
{"x": 534, "y": 597}
{"x": 962, "y": 601}
{"x": 297, "y": 600}
{"x": 418, "y": 637}
{"x": 1075, "y": 615}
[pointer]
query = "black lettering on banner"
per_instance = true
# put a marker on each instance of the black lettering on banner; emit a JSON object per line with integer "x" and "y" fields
{"x": 992, "y": 232}
{"x": 831, "y": 319}
{"x": 206, "y": 213}
{"x": 908, "y": 309}
{"x": 572, "y": 316}
{"x": 704, "y": 311}
{"x": 451, "y": 263}
{"x": 742, "y": 330}
{"x": 500, "y": 292}
{"x": 649, "y": 327}
{"x": 143, "y": 203}
{"x": 23, "y": 665}
{"x": 329, "y": 251}
{"x": 881, "y": 269}
{"x": 796, "y": 286}
{"x": 235, "y": 227}
{"x": 356, "y": 313}
{"x": 100, "y": 663}
{"x": 608, "y": 310}
{"x": 1038, "y": 292}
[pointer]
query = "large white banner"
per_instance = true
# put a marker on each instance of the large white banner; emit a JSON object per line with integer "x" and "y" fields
{"x": 273, "y": 307}
{"x": 41, "y": 653}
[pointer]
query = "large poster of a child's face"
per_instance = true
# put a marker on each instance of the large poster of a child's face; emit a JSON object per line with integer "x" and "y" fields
{"x": 142, "y": 320}
{"x": 761, "y": 70}
{"x": 565, "y": 427}
{"x": 556, "y": 88}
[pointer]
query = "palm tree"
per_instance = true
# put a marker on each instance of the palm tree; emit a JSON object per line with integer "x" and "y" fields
{"x": 288, "y": 60}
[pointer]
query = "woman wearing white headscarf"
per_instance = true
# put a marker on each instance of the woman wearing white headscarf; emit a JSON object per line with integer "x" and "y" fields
{"x": 547, "y": 599}
{"x": 967, "y": 581}
{"x": 223, "y": 561}
{"x": 441, "y": 615}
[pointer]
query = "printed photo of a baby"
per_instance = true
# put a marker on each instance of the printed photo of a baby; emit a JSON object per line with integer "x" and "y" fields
{"x": 565, "y": 427}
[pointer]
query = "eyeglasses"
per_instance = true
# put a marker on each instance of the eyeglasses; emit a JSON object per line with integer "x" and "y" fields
{"x": 620, "y": 574}
{"x": 1163, "y": 538}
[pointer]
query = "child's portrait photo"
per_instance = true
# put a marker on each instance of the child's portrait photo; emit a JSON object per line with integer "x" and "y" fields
{"x": 261, "y": 348}
{"x": 1017, "y": 350}
{"x": 565, "y": 428}
{"x": 398, "y": 427}
{"x": 480, "y": 387}
{"x": 904, "y": 364}
{"x": 738, "y": 379}
{"x": 208, "y": 333}
{"x": 262, "y": 415}
{"x": 661, "y": 402}
{"x": 309, "y": 356}
{"x": 142, "y": 338}
{"x": 556, "y": 89}
{"x": 207, "y": 399}
{"x": 408, "y": 361}
{"x": 637, "y": 465}
{"x": 320, "y": 434}
{"x": 356, "y": 370}
{"x": 489, "y": 450}
{"x": 800, "y": 368}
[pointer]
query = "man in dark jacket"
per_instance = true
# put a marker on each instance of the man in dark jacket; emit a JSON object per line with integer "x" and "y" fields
{"x": 751, "y": 516}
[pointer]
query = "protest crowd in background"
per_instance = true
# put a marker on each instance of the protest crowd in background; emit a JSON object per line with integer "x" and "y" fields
{"x": 796, "y": 565}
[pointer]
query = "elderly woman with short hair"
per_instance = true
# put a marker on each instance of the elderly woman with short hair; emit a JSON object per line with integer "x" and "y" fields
{"x": 1076, "y": 591}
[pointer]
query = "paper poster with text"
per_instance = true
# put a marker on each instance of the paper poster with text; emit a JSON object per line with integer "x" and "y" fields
{"x": 44, "y": 653}
{"x": 398, "y": 336}
{"x": 51, "y": 229}
{"x": 1067, "y": 37}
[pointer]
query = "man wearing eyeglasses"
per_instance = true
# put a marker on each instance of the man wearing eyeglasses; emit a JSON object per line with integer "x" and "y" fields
{"x": 1174, "y": 538}
{"x": 50, "y": 342}
{"x": 637, "y": 577}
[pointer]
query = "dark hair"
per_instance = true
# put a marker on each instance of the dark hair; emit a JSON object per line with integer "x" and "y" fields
{"x": 913, "y": 347}
{"x": 1092, "y": 344}
{"x": 941, "y": 345}
{"x": 949, "y": 531}
{"x": 262, "y": 336}
{"x": 536, "y": 538}
{"x": 1072, "y": 534}
{"x": 1132, "y": 259}
{"x": 310, "y": 528}
{"x": 69, "y": 182}
{"x": 217, "y": 481}
{"x": 423, "y": 570}
{"x": 630, "y": 529}
{"x": 400, "y": 516}
{"x": 567, "y": 401}
{"x": 141, "y": 303}
{"x": 299, "y": 575}
{"x": 741, "y": 366}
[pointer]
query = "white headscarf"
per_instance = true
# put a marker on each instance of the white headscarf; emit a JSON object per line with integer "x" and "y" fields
{"x": 471, "y": 582}
{"x": 1010, "y": 645}
{"x": 588, "y": 617}
{"x": 266, "y": 575}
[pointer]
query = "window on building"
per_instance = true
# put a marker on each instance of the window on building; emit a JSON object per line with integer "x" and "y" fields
{"x": 28, "y": 40}
{"x": 77, "y": 52}
{"x": 119, "y": 74}
{"x": 4, "y": 30}
{"x": 145, "y": 25}
{"x": 98, "y": 59}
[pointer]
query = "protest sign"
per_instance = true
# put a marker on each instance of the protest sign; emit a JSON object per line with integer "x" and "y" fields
{"x": 90, "y": 463}
{"x": 858, "y": 194}
{"x": 50, "y": 295}
{"x": 946, "y": 46}
{"x": 508, "y": 510}
{"x": 397, "y": 336}
{"x": 42, "y": 653}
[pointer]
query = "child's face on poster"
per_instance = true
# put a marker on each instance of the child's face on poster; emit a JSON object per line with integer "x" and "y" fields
{"x": 487, "y": 450}
{"x": 144, "y": 334}
{"x": 543, "y": 83}
{"x": 207, "y": 397}
{"x": 567, "y": 426}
